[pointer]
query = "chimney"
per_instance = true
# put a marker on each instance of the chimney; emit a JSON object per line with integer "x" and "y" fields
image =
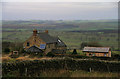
{"x": 34, "y": 32}
{"x": 46, "y": 31}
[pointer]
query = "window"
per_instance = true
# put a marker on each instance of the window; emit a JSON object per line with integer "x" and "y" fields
{"x": 28, "y": 44}
{"x": 93, "y": 54}
{"x": 42, "y": 46}
{"x": 105, "y": 54}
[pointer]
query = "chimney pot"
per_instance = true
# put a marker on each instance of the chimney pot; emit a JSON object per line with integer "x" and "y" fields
{"x": 34, "y": 32}
{"x": 46, "y": 31}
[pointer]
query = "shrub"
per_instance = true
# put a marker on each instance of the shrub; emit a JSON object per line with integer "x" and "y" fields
{"x": 116, "y": 56}
{"x": 83, "y": 44}
{"x": 40, "y": 55}
{"x": 35, "y": 54}
{"x": 50, "y": 54}
{"x": 14, "y": 56}
{"x": 74, "y": 52}
{"x": 7, "y": 50}
{"x": 67, "y": 63}
{"x": 21, "y": 50}
{"x": 90, "y": 44}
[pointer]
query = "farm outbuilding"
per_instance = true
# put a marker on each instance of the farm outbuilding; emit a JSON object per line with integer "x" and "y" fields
{"x": 34, "y": 49}
{"x": 42, "y": 41}
{"x": 97, "y": 51}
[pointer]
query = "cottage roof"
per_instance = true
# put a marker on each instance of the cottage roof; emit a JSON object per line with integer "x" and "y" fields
{"x": 60, "y": 42}
{"x": 96, "y": 49}
{"x": 46, "y": 37}
{"x": 50, "y": 39}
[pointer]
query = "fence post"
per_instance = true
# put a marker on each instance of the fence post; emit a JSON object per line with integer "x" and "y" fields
{"x": 25, "y": 71}
{"x": 90, "y": 69}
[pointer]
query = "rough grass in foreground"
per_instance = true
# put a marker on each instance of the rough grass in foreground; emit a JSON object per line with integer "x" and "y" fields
{"x": 67, "y": 73}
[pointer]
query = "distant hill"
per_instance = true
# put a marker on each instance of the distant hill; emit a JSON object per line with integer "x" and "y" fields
{"x": 72, "y": 25}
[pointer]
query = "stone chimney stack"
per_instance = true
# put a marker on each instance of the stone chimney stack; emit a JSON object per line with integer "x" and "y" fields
{"x": 34, "y": 32}
{"x": 46, "y": 31}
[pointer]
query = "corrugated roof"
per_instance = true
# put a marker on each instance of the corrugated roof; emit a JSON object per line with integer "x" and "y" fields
{"x": 96, "y": 49}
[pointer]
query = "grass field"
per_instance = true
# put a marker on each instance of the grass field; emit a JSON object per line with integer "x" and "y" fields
{"x": 71, "y": 39}
{"x": 73, "y": 33}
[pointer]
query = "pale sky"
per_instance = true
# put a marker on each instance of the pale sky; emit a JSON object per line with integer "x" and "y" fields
{"x": 59, "y": 10}
{"x": 60, "y": 0}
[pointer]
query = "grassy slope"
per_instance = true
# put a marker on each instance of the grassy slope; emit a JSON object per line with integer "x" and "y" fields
{"x": 72, "y": 39}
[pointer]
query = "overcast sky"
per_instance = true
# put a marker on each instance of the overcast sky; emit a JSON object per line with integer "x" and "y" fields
{"x": 59, "y": 10}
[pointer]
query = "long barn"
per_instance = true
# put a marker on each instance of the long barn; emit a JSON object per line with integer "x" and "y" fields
{"x": 97, "y": 51}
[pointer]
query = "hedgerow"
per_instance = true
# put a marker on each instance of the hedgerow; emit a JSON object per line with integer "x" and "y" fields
{"x": 37, "y": 66}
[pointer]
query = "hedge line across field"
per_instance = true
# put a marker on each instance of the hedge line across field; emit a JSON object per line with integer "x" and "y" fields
{"x": 36, "y": 66}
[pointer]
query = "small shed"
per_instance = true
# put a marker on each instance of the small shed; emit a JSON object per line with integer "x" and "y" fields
{"x": 97, "y": 51}
{"x": 34, "y": 49}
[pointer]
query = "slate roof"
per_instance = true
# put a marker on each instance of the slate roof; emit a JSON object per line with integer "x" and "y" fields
{"x": 34, "y": 49}
{"x": 50, "y": 39}
{"x": 46, "y": 37}
{"x": 60, "y": 42}
{"x": 96, "y": 49}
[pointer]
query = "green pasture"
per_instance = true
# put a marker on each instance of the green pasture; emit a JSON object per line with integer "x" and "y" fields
{"x": 19, "y": 31}
{"x": 72, "y": 39}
